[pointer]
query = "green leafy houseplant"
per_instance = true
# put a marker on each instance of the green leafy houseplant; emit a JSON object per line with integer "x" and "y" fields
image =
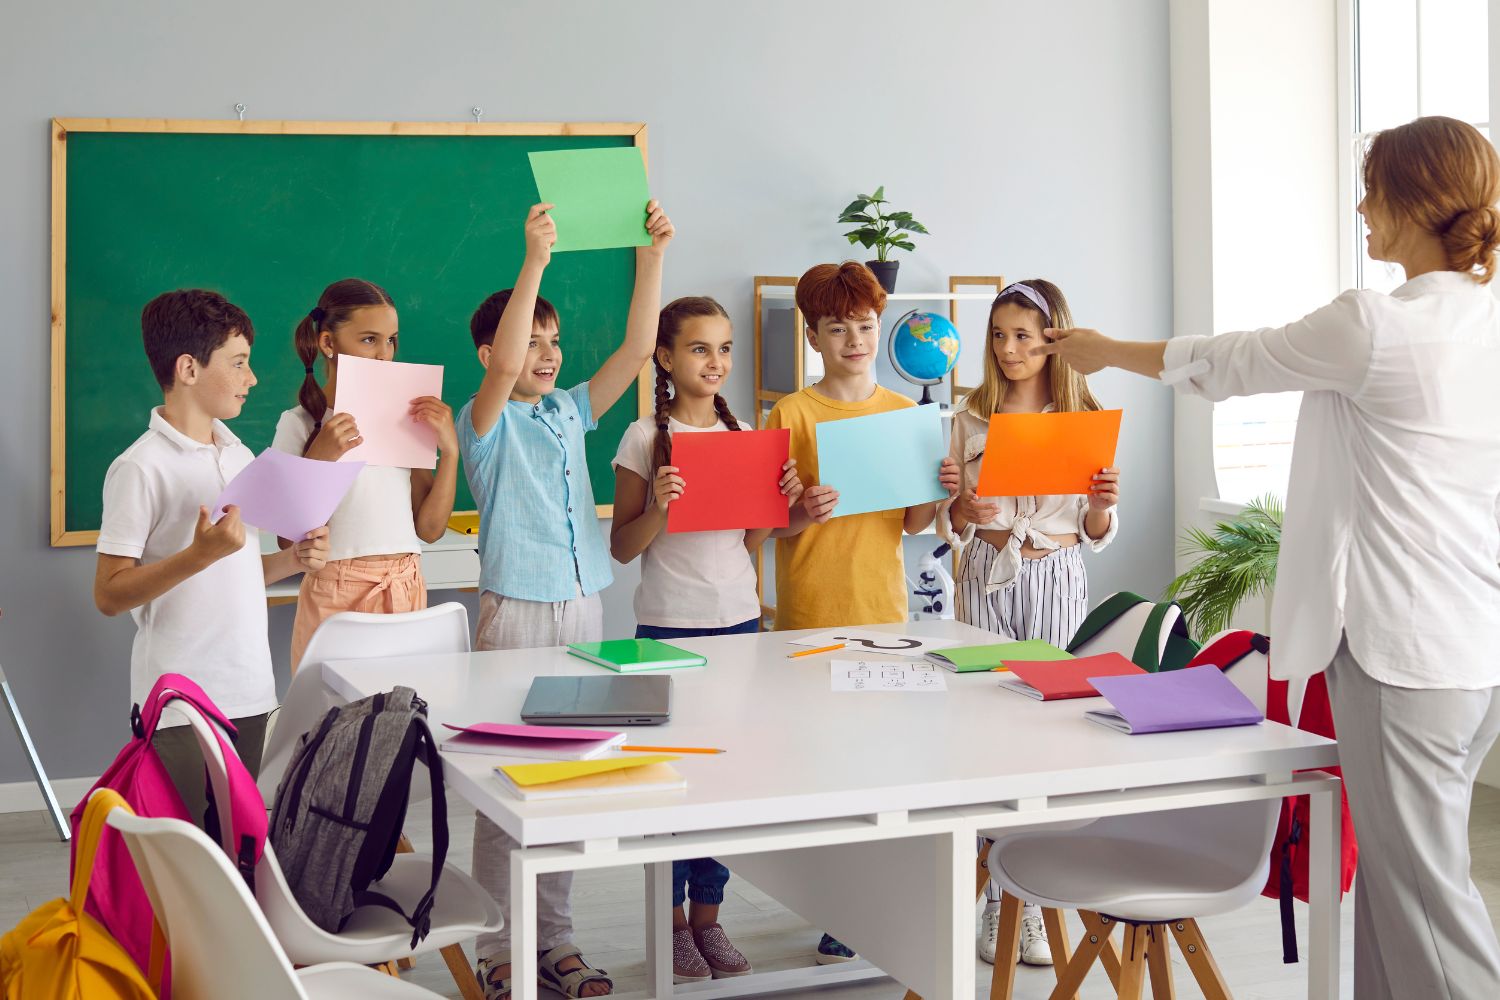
{"x": 877, "y": 228}
{"x": 1238, "y": 562}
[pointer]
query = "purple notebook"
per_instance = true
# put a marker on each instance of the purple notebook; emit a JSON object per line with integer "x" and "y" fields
{"x": 1194, "y": 698}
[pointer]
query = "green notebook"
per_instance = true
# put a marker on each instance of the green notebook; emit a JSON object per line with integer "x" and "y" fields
{"x": 968, "y": 659}
{"x": 629, "y": 656}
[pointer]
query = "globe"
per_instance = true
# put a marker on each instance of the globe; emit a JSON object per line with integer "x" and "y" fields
{"x": 923, "y": 349}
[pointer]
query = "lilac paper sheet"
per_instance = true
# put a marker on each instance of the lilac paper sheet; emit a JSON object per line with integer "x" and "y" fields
{"x": 286, "y": 494}
{"x": 1194, "y": 698}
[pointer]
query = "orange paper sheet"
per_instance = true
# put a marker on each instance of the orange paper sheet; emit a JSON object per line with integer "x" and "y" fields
{"x": 1047, "y": 454}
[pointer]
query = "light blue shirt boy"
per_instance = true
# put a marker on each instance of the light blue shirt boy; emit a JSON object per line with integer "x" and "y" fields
{"x": 539, "y": 537}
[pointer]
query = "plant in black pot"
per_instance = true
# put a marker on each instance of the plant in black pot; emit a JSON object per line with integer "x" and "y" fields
{"x": 882, "y": 230}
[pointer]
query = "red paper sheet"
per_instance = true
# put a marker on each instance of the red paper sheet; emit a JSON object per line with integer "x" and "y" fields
{"x": 1047, "y": 454}
{"x": 1060, "y": 679}
{"x": 733, "y": 480}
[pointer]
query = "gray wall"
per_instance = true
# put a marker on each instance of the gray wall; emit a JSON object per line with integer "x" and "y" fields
{"x": 1033, "y": 139}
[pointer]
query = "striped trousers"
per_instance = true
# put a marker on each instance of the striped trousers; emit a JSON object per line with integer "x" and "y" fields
{"x": 1048, "y": 600}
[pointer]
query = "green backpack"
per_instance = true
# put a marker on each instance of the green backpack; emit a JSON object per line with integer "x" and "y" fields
{"x": 1153, "y": 635}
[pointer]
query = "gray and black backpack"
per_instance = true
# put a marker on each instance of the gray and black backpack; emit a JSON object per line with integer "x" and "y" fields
{"x": 339, "y": 810}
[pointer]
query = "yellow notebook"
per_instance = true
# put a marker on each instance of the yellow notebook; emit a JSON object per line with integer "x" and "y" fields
{"x": 464, "y": 524}
{"x": 656, "y": 777}
{"x": 527, "y": 775}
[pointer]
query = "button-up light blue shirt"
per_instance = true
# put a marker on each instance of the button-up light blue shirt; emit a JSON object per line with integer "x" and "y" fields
{"x": 539, "y": 537}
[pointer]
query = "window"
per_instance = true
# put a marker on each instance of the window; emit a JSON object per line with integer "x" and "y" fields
{"x": 1409, "y": 58}
{"x": 1412, "y": 58}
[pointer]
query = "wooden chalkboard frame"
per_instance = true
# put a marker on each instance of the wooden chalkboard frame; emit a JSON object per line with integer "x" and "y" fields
{"x": 61, "y": 127}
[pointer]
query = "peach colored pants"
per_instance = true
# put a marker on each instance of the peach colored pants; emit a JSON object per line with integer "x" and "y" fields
{"x": 382, "y": 584}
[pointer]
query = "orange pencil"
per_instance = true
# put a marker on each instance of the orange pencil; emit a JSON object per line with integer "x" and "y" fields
{"x": 820, "y": 649}
{"x": 674, "y": 749}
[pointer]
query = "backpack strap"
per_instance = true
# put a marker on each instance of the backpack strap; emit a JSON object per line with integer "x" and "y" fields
{"x": 1113, "y": 607}
{"x": 1148, "y": 650}
{"x": 1285, "y": 886}
{"x": 1180, "y": 645}
{"x": 421, "y": 914}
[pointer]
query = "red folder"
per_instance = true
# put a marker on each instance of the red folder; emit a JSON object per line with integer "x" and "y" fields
{"x": 733, "y": 480}
{"x": 1055, "y": 680}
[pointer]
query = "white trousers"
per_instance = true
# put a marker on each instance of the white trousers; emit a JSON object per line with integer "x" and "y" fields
{"x": 1409, "y": 758}
{"x": 507, "y": 623}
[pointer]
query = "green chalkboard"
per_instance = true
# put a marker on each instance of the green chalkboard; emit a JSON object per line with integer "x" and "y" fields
{"x": 269, "y": 220}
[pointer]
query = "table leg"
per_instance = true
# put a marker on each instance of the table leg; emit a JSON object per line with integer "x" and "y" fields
{"x": 523, "y": 932}
{"x": 955, "y": 915}
{"x": 1323, "y": 892}
{"x": 659, "y": 929}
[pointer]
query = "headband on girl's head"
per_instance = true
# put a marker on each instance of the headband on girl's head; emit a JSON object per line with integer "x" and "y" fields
{"x": 1021, "y": 288}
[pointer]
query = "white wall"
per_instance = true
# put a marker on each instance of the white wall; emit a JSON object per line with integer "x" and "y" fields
{"x": 1255, "y": 192}
{"x": 1031, "y": 138}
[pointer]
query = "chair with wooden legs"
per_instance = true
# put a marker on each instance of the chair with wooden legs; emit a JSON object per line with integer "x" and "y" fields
{"x": 1153, "y": 873}
{"x": 1009, "y": 940}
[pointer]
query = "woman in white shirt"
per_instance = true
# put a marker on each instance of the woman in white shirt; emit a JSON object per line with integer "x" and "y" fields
{"x": 1388, "y": 572}
{"x": 1020, "y": 570}
{"x": 375, "y": 535}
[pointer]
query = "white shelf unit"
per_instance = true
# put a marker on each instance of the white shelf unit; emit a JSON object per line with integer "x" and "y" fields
{"x": 807, "y": 363}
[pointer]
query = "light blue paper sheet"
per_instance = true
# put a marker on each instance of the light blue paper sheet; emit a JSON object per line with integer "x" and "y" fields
{"x": 883, "y": 461}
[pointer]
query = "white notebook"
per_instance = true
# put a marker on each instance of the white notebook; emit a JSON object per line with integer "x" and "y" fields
{"x": 506, "y": 746}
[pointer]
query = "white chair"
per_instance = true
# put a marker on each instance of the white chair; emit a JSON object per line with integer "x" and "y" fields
{"x": 461, "y": 910}
{"x": 354, "y": 635}
{"x": 1154, "y": 872}
{"x": 221, "y": 945}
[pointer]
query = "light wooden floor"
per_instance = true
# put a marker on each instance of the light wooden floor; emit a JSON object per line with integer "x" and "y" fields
{"x": 609, "y": 911}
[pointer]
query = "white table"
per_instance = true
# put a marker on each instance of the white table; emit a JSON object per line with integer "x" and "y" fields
{"x": 820, "y": 791}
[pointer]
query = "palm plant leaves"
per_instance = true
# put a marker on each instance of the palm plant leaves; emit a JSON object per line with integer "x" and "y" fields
{"x": 1238, "y": 562}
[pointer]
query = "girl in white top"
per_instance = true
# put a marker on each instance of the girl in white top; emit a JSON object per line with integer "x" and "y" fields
{"x": 1020, "y": 570}
{"x": 692, "y": 583}
{"x": 1387, "y": 574}
{"x": 375, "y": 535}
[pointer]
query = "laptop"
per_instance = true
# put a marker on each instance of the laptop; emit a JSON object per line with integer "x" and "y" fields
{"x": 594, "y": 700}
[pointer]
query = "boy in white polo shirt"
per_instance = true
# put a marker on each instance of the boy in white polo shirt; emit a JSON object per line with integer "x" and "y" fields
{"x": 195, "y": 588}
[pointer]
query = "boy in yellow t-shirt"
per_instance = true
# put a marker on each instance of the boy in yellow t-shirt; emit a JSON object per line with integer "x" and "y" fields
{"x": 837, "y": 571}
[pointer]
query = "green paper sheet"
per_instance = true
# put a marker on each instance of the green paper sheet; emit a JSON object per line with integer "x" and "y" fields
{"x": 967, "y": 659}
{"x": 600, "y": 195}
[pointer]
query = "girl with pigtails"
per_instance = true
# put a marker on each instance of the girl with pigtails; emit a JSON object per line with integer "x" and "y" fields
{"x": 692, "y": 583}
{"x": 375, "y": 535}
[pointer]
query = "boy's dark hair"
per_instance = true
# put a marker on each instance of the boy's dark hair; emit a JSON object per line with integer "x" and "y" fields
{"x": 487, "y": 317}
{"x": 191, "y": 321}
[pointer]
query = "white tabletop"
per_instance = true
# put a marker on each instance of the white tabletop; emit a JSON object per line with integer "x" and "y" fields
{"x": 798, "y": 751}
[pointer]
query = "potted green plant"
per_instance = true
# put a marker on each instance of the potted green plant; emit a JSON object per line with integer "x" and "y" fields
{"x": 1237, "y": 561}
{"x": 882, "y": 230}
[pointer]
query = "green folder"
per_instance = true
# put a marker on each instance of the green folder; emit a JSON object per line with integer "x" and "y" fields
{"x": 969, "y": 659}
{"x": 628, "y": 656}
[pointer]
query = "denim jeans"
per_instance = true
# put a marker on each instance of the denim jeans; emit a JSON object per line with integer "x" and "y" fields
{"x": 700, "y": 879}
{"x": 663, "y": 632}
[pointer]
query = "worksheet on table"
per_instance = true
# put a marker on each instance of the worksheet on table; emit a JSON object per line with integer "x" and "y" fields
{"x": 885, "y": 675}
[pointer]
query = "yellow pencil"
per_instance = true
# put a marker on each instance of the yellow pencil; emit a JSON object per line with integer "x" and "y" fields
{"x": 820, "y": 649}
{"x": 674, "y": 749}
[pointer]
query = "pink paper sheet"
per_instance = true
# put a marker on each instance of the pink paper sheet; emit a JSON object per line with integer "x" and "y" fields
{"x": 378, "y": 395}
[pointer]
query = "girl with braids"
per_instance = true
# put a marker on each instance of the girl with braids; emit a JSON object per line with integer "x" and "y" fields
{"x": 693, "y": 583}
{"x": 375, "y": 535}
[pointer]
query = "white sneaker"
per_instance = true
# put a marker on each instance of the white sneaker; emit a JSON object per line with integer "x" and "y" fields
{"x": 1034, "y": 947}
{"x": 989, "y": 930}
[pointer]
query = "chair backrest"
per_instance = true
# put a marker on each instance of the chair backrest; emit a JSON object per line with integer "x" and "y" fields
{"x": 221, "y": 945}
{"x": 1235, "y": 836}
{"x": 353, "y": 635}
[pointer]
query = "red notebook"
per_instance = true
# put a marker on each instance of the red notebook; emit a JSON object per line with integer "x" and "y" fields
{"x": 1055, "y": 680}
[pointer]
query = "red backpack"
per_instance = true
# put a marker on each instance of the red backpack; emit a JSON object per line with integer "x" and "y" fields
{"x": 1289, "y": 853}
{"x": 116, "y": 897}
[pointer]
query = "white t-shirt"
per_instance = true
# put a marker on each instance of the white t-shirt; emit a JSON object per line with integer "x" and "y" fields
{"x": 697, "y": 579}
{"x": 211, "y": 627}
{"x": 375, "y": 517}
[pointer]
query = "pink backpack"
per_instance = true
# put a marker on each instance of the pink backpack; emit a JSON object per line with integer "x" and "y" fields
{"x": 116, "y": 898}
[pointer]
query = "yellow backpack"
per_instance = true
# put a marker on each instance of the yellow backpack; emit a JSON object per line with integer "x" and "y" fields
{"x": 60, "y": 952}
